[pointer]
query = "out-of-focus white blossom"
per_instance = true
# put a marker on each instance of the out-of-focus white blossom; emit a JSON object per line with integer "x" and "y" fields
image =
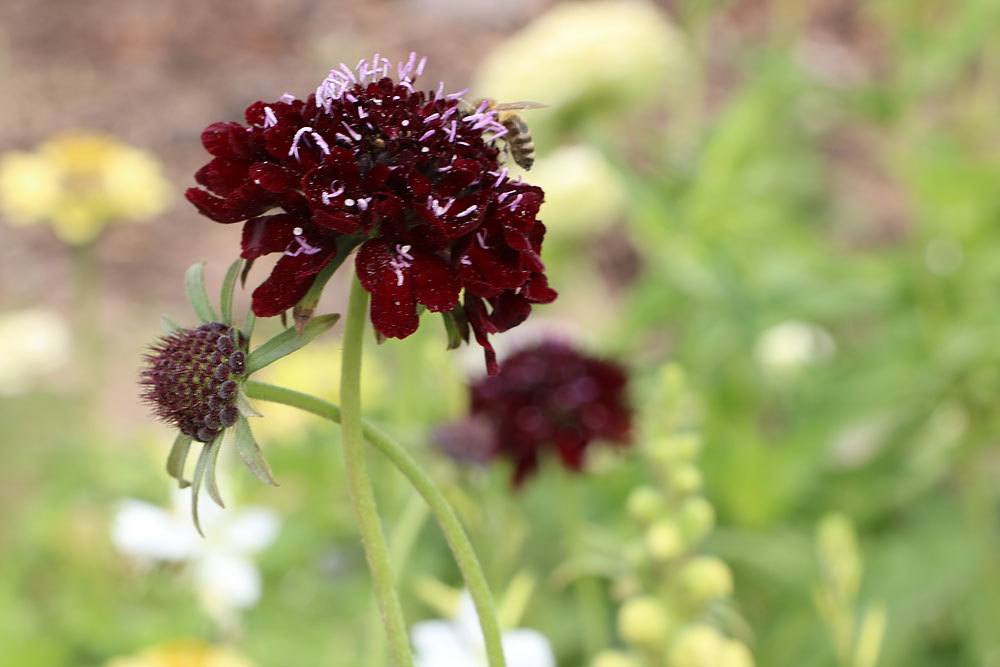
{"x": 35, "y": 343}
{"x": 459, "y": 642}
{"x": 221, "y": 563}
{"x": 787, "y": 347}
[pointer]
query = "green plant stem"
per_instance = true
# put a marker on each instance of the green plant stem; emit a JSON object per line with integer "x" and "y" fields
{"x": 458, "y": 542}
{"x": 360, "y": 485}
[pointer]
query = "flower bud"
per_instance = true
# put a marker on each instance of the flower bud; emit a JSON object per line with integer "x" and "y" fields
{"x": 676, "y": 448}
{"x": 643, "y": 621}
{"x": 735, "y": 654}
{"x": 697, "y": 518}
{"x": 614, "y": 659}
{"x": 704, "y": 578}
{"x": 696, "y": 646}
{"x": 645, "y": 504}
{"x": 664, "y": 540}
{"x": 686, "y": 478}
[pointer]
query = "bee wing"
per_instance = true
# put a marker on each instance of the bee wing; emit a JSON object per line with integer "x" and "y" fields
{"x": 516, "y": 106}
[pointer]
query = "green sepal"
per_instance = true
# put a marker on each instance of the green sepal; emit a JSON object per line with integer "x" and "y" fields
{"x": 210, "y": 483}
{"x": 167, "y": 325}
{"x": 304, "y": 309}
{"x": 288, "y": 341}
{"x": 244, "y": 405}
{"x": 194, "y": 285}
{"x": 226, "y": 295}
{"x": 451, "y": 328}
{"x": 251, "y": 454}
{"x": 204, "y": 460}
{"x": 249, "y": 324}
{"x": 178, "y": 458}
{"x": 245, "y": 272}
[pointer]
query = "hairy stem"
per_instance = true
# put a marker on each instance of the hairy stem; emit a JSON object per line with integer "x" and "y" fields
{"x": 360, "y": 485}
{"x": 458, "y": 541}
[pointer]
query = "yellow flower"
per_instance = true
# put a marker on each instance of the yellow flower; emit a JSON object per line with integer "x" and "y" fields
{"x": 183, "y": 653}
{"x": 79, "y": 183}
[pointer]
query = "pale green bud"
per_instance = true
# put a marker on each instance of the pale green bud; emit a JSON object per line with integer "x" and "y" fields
{"x": 643, "y": 622}
{"x": 686, "y": 478}
{"x": 697, "y": 519}
{"x": 615, "y": 659}
{"x": 676, "y": 448}
{"x": 704, "y": 578}
{"x": 696, "y": 646}
{"x": 664, "y": 540}
{"x": 735, "y": 654}
{"x": 837, "y": 545}
{"x": 645, "y": 504}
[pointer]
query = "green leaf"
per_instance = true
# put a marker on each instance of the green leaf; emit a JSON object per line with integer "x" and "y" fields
{"x": 249, "y": 451}
{"x": 244, "y": 405}
{"x": 226, "y": 296}
{"x": 451, "y": 327}
{"x": 177, "y": 458}
{"x": 167, "y": 325}
{"x": 204, "y": 460}
{"x": 288, "y": 341}
{"x": 210, "y": 484}
{"x": 194, "y": 284}
{"x": 249, "y": 324}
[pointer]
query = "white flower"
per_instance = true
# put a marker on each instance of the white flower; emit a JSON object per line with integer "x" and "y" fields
{"x": 789, "y": 346}
{"x": 459, "y": 642}
{"x": 224, "y": 573}
{"x": 36, "y": 343}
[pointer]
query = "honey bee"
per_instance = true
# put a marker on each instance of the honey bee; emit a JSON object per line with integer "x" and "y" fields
{"x": 520, "y": 146}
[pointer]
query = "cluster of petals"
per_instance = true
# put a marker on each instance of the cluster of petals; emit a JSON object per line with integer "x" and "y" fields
{"x": 414, "y": 179}
{"x": 550, "y": 397}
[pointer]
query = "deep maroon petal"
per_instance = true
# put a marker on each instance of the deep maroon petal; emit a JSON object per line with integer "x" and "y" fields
{"x": 267, "y": 234}
{"x": 237, "y": 207}
{"x": 289, "y": 281}
{"x": 222, "y": 175}
{"x": 509, "y": 310}
{"x": 273, "y": 177}
{"x": 433, "y": 283}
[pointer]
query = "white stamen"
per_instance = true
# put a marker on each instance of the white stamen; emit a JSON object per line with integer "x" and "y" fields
{"x": 363, "y": 203}
{"x": 343, "y": 137}
{"x": 362, "y": 113}
{"x": 323, "y": 146}
{"x": 270, "y": 120}
{"x": 481, "y": 239}
{"x": 348, "y": 202}
{"x": 421, "y": 65}
{"x": 351, "y": 98}
{"x": 467, "y": 211}
{"x": 433, "y": 116}
{"x": 405, "y": 123}
{"x": 452, "y": 130}
{"x": 351, "y": 131}
{"x": 465, "y": 261}
{"x": 456, "y": 95}
{"x": 426, "y": 135}
{"x": 294, "y": 150}
{"x": 297, "y": 231}
{"x": 500, "y": 178}
{"x": 287, "y": 98}
{"x": 425, "y": 150}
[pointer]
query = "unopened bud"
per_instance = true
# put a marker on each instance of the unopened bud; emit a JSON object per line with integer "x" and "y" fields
{"x": 696, "y": 646}
{"x": 705, "y": 578}
{"x": 642, "y": 621}
{"x": 645, "y": 504}
{"x": 697, "y": 519}
{"x": 664, "y": 540}
{"x": 686, "y": 478}
{"x": 614, "y": 659}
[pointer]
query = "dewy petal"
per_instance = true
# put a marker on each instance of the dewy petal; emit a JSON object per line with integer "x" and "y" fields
{"x": 143, "y": 530}
{"x": 222, "y": 175}
{"x": 289, "y": 281}
{"x": 245, "y": 202}
{"x": 227, "y": 581}
{"x": 272, "y": 177}
{"x": 267, "y": 234}
{"x": 433, "y": 283}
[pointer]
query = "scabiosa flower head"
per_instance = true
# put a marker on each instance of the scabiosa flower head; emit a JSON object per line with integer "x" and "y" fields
{"x": 192, "y": 379}
{"x": 414, "y": 178}
{"x": 546, "y": 397}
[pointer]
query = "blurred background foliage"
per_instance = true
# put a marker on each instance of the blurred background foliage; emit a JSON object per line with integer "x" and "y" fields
{"x": 795, "y": 203}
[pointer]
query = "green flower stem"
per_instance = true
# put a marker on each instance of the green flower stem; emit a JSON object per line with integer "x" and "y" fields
{"x": 459, "y": 543}
{"x": 359, "y": 483}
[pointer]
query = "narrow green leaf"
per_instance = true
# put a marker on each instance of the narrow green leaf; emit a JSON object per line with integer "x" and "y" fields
{"x": 454, "y": 335}
{"x": 245, "y": 272}
{"x": 177, "y": 458}
{"x": 167, "y": 325}
{"x": 194, "y": 284}
{"x": 288, "y": 341}
{"x": 244, "y": 405}
{"x": 249, "y": 324}
{"x": 249, "y": 451}
{"x": 304, "y": 309}
{"x": 210, "y": 484}
{"x": 228, "y": 286}
{"x": 199, "y": 475}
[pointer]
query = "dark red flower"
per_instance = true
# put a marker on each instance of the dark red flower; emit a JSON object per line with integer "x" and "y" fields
{"x": 547, "y": 397}
{"x": 192, "y": 379}
{"x": 413, "y": 177}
